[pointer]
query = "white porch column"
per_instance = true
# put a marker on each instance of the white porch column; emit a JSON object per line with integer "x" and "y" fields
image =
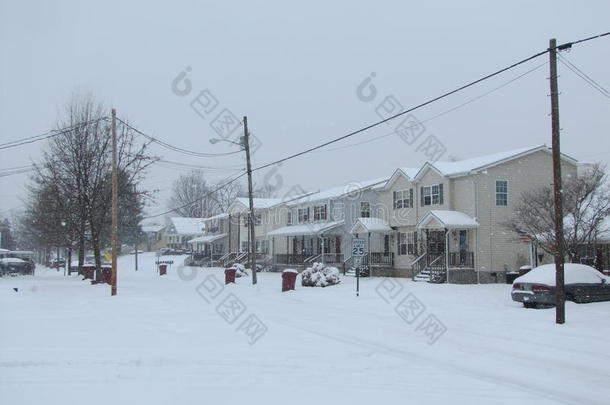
{"x": 447, "y": 253}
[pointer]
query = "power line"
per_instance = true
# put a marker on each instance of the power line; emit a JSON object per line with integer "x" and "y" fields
{"x": 47, "y": 135}
{"x": 444, "y": 112}
{"x": 192, "y": 166}
{"x": 198, "y": 199}
{"x": 578, "y": 72}
{"x": 175, "y": 148}
{"x": 444, "y": 95}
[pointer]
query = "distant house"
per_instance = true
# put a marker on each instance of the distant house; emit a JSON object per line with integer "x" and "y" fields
{"x": 316, "y": 227}
{"x": 153, "y": 236}
{"x": 179, "y": 230}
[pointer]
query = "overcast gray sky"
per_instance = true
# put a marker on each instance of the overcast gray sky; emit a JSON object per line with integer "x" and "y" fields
{"x": 293, "y": 69}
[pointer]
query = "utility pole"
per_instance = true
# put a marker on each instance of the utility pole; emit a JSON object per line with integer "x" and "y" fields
{"x": 252, "y": 244}
{"x": 115, "y": 204}
{"x": 557, "y": 188}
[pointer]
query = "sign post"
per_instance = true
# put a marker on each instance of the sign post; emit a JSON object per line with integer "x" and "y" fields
{"x": 358, "y": 251}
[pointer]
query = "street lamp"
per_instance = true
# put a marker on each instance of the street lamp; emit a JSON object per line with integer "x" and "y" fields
{"x": 214, "y": 141}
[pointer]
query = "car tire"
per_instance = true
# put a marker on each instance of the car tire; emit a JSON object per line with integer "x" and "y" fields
{"x": 530, "y": 305}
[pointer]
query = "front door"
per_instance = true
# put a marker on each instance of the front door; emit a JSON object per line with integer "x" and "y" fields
{"x": 436, "y": 242}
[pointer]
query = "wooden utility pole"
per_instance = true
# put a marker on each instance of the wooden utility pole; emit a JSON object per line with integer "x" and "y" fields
{"x": 557, "y": 188}
{"x": 115, "y": 204}
{"x": 252, "y": 244}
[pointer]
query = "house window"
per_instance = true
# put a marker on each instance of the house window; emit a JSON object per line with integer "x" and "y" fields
{"x": 303, "y": 214}
{"x": 403, "y": 199}
{"x": 289, "y": 218}
{"x": 244, "y": 245}
{"x": 432, "y": 195}
{"x": 365, "y": 209}
{"x": 257, "y": 219}
{"x": 407, "y": 243}
{"x": 319, "y": 212}
{"x": 501, "y": 192}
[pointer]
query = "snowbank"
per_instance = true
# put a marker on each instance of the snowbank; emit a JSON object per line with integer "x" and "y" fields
{"x": 573, "y": 273}
{"x": 320, "y": 276}
{"x": 240, "y": 270}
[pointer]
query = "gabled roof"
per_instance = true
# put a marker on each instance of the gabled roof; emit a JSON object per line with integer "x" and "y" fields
{"x": 259, "y": 203}
{"x": 363, "y": 225}
{"x": 152, "y": 228}
{"x": 447, "y": 219}
{"x": 407, "y": 172}
{"x": 467, "y": 166}
{"x": 339, "y": 191}
{"x": 188, "y": 226}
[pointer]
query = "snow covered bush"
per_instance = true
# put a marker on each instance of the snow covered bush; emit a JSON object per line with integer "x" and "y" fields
{"x": 240, "y": 270}
{"x": 320, "y": 275}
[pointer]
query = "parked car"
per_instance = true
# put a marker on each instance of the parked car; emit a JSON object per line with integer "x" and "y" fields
{"x": 56, "y": 263}
{"x": 14, "y": 266}
{"x": 582, "y": 284}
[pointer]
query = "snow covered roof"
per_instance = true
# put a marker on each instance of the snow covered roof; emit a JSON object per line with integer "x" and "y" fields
{"x": 363, "y": 225}
{"x": 447, "y": 219}
{"x": 259, "y": 203}
{"x": 11, "y": 260}
{"x": 313, "y": 228}
{"x": 152, "y": 228}
{"x": 466, "y": 166}
{"x": 187, "y": 226}
{"x": 207, "y": 238}
{"x": 4, "y": 250}
{"x": 219, "y": 216}
{"x": 339, "y": 191}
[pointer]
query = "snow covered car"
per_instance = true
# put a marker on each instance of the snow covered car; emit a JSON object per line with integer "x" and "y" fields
{"x": 582, "y": 284}
{"x": 14, "y": 266}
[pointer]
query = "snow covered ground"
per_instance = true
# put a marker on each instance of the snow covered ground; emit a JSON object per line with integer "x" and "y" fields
{"x": 165, "y": 339}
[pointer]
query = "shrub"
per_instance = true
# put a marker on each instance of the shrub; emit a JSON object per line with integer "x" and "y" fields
{"x": 320, "y": 275}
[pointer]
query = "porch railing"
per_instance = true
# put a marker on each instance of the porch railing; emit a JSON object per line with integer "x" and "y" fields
{"x": 461, "y": 260}
{"x": 378, "y": 259}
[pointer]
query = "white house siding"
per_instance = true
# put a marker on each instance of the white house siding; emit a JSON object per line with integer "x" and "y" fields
{"x": 498, "y": 249}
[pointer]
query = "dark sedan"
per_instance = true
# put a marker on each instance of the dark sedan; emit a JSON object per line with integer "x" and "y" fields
{"x": 582, "y": 284}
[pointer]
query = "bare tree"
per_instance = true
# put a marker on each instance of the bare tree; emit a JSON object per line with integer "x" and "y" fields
{"x": 194, "y": 196}
{"x": 586, "y": 205}
{"x": 75, "y": 174}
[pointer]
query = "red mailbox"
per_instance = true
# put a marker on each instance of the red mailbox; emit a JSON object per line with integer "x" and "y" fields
{"x": 230, "y": 275}
{"x": 289, "y": 278}
{"x": 162, "y": 269}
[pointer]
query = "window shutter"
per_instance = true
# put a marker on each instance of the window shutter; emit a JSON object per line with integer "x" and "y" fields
{"x": 440, "y": 193}
{"x": 421, "y": 196}
{"x": 415, "y": 243}
{"x": 398, "y": 243}
{"x": 395, "y": 199}
{"x": 411, "y": 198}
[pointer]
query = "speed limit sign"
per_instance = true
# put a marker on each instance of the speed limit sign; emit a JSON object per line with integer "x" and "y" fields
{"x": 358, "y": 247}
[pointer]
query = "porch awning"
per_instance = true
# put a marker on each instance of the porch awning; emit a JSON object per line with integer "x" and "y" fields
{"x": 365, "y": 225}
{"x": 447, "y": 219}
{"x": 314, "y": 228}
{"x": 207, "y": 238}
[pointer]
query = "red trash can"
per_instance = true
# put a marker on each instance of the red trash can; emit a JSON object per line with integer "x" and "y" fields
{"x": 230, "y": 276}
{"x": 162, "y": 269}
{"x": 89, "y": 272}
{"x": 289, "y": 278}
{"x": 107, "y": 274}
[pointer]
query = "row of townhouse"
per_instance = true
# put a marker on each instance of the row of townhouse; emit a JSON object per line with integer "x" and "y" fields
{"x": 447, "y": 218}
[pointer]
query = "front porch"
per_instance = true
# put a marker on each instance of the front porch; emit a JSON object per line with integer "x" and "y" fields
{"x": 378, "y": 258}
{"x": 449, "y": 238}
{"x": 306, "y": 244}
